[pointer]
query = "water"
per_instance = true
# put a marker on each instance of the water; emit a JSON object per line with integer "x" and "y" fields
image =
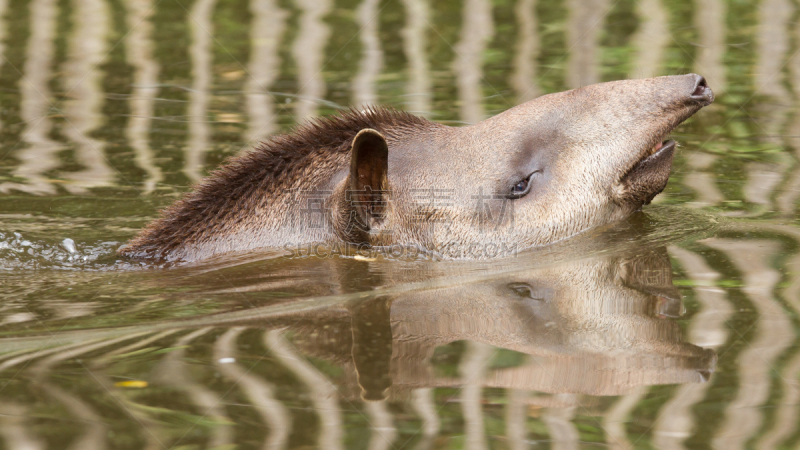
{"x": 677, "y": 328}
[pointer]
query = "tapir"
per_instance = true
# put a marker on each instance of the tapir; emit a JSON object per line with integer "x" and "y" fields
{"x": 535, "y": 174}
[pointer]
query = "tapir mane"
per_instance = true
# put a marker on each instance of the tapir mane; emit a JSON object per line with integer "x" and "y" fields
{"x": 250, "y": 183}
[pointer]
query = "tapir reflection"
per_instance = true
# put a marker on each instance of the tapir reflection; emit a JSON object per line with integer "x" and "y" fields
{"x": 598, "y": 326}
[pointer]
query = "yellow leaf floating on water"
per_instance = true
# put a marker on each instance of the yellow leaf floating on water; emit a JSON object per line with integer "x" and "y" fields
{"x": 131, "y": 384}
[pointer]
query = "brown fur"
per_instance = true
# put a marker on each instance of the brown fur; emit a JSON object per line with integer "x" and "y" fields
{"x": 251, "y": 182}
{"x": 587, "y": 156}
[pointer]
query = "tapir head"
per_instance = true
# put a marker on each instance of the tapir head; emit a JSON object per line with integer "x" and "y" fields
{"x": 537, "y": 173}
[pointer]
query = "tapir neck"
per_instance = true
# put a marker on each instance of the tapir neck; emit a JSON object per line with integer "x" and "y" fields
{"x": 275, "y": 196}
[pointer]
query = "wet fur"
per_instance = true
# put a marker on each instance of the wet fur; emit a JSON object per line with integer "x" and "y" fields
{"x": 251, "y": 183}
{"x": 584, "y": 152}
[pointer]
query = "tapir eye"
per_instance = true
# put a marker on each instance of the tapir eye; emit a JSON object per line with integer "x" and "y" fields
{"x": 525, "y": 291}
{"x": 521, "y": 188}
{"x": 521, "y": 289}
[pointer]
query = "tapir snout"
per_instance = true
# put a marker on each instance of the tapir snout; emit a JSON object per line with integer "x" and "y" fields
{"x": 535, "y": 174}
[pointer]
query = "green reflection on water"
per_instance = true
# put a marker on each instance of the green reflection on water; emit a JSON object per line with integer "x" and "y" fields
{"x": 110, "y": 110}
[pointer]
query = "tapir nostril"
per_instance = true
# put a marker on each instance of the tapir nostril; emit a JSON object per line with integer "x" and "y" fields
{"x": 701, "y": 91}
{"x": 700, "y": 87}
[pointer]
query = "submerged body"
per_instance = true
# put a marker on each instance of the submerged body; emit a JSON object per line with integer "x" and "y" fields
{"x": 537, "y": 173}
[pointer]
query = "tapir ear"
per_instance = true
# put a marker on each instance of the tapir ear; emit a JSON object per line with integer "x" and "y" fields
{"x": 369, "y": 164}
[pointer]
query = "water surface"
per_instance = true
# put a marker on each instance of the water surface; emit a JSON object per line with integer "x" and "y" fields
{"x": 676, "y": 328}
